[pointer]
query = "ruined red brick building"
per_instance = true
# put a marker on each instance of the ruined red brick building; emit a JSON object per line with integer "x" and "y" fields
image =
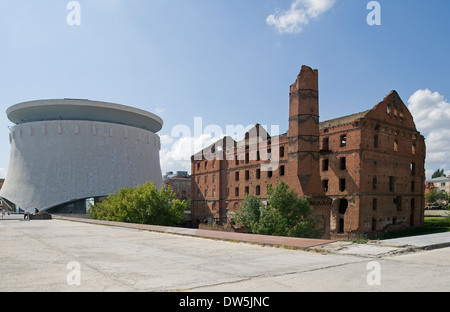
{"x": 364, "y": 173}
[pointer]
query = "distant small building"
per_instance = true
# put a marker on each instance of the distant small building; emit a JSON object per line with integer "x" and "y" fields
{"x": 180, "y": 182}
{"x": 441, "y": 183}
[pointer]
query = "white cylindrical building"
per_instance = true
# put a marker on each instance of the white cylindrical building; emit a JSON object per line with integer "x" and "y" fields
{"x": 66, "y": 151}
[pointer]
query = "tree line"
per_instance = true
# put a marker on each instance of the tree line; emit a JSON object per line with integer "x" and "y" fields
{"x": 285, "y": 214}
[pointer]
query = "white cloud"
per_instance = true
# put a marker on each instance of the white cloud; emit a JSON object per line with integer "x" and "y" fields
{"x": 430, "y": 110}
{"x": 300, "y": 13}
{"x": 431, "y": 113}
{"x": 2, "y": 173}
{"x": 160, "y": 110}
{"x": 176, "y": 155}
{"x": 165, "y": 139}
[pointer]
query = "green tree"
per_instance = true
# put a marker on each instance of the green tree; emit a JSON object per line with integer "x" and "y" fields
{"x": 250, "y": 212}
{"x": 443, "y": 195}
{"x": 431, "y": 196}
{"x": 284, "y": 215}
{"x": 438, "y": 173}
{"x": 144, "y": 204}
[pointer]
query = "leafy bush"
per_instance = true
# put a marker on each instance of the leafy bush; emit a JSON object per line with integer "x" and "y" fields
{"x": 284, "y": 215}
{"x": 144, "y": 204}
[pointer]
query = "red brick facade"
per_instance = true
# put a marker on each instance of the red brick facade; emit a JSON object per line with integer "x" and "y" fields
{"x": 364, "y": 173}
{"x": 375, "y": 173}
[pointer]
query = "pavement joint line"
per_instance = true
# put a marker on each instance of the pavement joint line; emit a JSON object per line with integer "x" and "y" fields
{"x": 262, "y": 276}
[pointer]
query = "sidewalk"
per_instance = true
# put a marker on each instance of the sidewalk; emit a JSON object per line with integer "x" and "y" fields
{"x": 430, "y": 241}
{"x": 370, "y": 249}
{"x": 265, "y": 240}
{"x": 49, "y": 255}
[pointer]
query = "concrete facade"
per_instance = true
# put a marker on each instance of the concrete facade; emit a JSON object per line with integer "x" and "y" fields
{"x": 364, "y": 173}
{"x": 89, "y": 152}
{"x": 2, "y": 206}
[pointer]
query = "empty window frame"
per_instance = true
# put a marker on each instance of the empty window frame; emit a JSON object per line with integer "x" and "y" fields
{"x": 343, "y": 163}
{"x": 412, "y": 167}
{"x": 392, "y": 184}
{"x": 325, "y": 163}
{"x": 398, "y": 203}
{"x": 326, "y": 144}
{"x": 325, "y": 185}
{"x": 342, "y": 184}
{"x": 343, "y": 140}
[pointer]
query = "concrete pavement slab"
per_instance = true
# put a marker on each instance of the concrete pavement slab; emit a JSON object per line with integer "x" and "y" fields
{"x": 293, "y": 242}
{"x": 51, "y": 255}
{"x": 429, "y": 241}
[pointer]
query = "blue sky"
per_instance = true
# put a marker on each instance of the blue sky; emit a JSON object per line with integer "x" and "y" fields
{"x": 228, "y": 62}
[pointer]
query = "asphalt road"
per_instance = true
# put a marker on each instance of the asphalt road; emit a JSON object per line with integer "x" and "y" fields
{"x": 58, "y": 255}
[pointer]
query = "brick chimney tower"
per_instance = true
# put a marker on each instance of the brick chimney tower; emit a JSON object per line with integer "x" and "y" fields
{"x": 303, "y": 148}
{"x": 304, "y": 157}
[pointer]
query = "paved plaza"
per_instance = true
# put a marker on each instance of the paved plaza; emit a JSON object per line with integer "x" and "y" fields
{"x": 68, "y": 256}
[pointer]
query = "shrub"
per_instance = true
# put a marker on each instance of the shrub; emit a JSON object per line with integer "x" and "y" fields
{"x": 284, "y": 215}
{"x": 144, "y": 204}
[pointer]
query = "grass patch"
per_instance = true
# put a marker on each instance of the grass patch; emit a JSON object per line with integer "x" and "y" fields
{"x": 431, "y": 225}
